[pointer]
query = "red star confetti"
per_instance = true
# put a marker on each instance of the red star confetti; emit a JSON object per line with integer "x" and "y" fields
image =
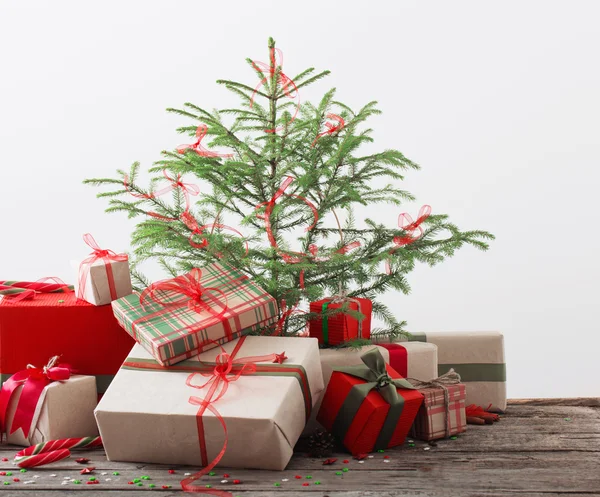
{"x": 298, "y": 477}
{"x": 345, "y": 461}
{"x": 4, "y": 459}
{"x": 16, "y": 479}
{"x": 225, "y": 475}
{"x": 386, "y": 457}
{"x": 2, "y": 473}
{"x": 360, "y": 457}
{"x": 82, "y": 460}
{"x": 236, "y": 482}
{"x": 171, "y": 471}
{"x": 88, "y": 470}
{"x": 131, "y": 483}
{"x": 279, "y": 358}
{"x": 305, "y": 484}
{"x": 166, "y": 486}
{"x": 329, "y": 462}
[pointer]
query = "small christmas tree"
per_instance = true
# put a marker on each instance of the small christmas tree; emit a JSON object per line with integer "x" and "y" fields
{"x": 285, "y": 167}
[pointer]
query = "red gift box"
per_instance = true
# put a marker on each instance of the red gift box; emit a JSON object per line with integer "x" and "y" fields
{"x": 86, "y": 336}
{"x": 340, "y": 328}
{"x": 364, "y": 423}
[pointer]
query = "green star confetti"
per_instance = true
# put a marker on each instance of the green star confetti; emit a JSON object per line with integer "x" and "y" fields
{"x": 381, "y": 450}
{"x": 411, "y": 445}
{"x": 345, "y": 470}
{"x": 92, "y": 478}
{"x": 145, "y": 478}
{"x": 309, "y": 477}
{"x": 115, "y": 473}
{"x": 453, "y": 437}
{"x": 277, "y": 484}
{"x": 212, "y": 473}
{"x": 6, "y": 483}
{"x": 152, "y": 485}
{"x": 208, "y": 486}
{"x": 136, "y": 480}
{"x": 339, "y": 473}
{"x": 9, "y": 473}
{"x": 317, "y": 482}
{"x": 567, "y": 419}
{"x": 23, "y": 470}
{"x": 139, "y": 484}
{"x": 76, "y": 482}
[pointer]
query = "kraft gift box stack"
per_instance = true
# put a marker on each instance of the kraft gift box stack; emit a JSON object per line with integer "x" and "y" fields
{"x": 191, "y": 342}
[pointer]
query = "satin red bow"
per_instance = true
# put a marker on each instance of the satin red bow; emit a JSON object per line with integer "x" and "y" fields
{"x": 107, "y": 256}
{"x": 331, "y": 128}
{"x": 412, "y": 230}
{"x": 197, "y": 147}
{"x": 34, "y": 380}
{"x": 227, "y": 369}
{"x": 287, "y": 85}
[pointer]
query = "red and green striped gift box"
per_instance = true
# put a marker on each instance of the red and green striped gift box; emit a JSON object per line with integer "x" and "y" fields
{"x": 173, "y": 334}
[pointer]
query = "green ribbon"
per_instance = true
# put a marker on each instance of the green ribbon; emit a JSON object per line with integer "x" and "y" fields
{"x": 325, "y": 324}
{"x": 376, "y": 377}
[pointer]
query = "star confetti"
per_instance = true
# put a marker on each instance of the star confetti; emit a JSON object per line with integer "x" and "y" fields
{"x": 279, "y": 358}
{"x": 88, "y": 470}
{"x": 329, "y": 462}
{"x": 82, "y": 460}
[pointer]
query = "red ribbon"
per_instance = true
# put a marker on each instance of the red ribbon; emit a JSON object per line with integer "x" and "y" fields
{"x": 34, "y": 380}
{"x": 26, "y": 290}
{"x": 226, "y": 370}
{"x": 398, "y": 357}
{"x": 331, "y": 128}
{"x": 412, "y": 229}
{"x": 185, "y": 291}
{"x": 198, "y": 148}
{"x": 196, "y": 229}
{"x": 287, "y": 85}
{"x": 286, "y": 314}
{"x": 107, "y": 256}
{"x": 187, "y": 189}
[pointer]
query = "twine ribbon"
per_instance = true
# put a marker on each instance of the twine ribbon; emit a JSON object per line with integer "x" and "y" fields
{"x": 448, "y": 379}
{"x": 288, "y": 86}
{"x": 185, "y": 291}
{"x": 197, "y": 147}
{"x": 412, "y": 231}
{"x": 33, "y": 380}
{"x": 14, "y": 291}
{"x": 107, "y": 256}
{"x": 373, "y": 371}
{"x": 331, "y": 128}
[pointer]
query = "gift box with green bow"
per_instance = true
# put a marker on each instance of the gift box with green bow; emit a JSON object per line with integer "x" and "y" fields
{"x": 369, "y": 407}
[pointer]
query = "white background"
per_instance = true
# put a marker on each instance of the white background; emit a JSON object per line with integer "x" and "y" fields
{"x": 498, "y": 102}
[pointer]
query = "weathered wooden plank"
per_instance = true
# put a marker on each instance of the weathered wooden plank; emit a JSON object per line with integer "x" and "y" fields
{"x": 576, "y": 401}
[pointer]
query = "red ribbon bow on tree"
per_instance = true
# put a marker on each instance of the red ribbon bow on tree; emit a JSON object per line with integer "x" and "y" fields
{"x": 412, "y": 229}
{"x": 34, "y": 380}
{"x": 196, "y": 229}
{"x": 331, "y": 128}
{"x": 201, "y": 132}
{"x": 227, "y": 369}
{"x": 187, "y": 189}
{"x": 287, "y": 85}
{"x": 107, "y": 256}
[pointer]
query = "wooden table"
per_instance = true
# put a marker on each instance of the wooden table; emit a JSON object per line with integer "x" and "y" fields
{"x": 539, "y": 448}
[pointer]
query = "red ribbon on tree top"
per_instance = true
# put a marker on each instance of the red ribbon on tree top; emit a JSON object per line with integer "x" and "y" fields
{"x": 227, "y": 368}
{"x": 331, "y": 128}
{"x": 107, "y": 256}
{"x": 185, "y": 291}
{"x": 187, "y": 189}
{"x": 15, "y": 291}
{"x": 287, "y": 85}
{"x": 197, "y": 147}
{"x": 34, "y": 380}
{"x": 412, "y": 229}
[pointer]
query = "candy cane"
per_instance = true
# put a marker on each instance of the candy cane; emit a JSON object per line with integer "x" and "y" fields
{"x": 52, "y": 451}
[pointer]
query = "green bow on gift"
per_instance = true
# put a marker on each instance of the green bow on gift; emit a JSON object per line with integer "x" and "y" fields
{"x": 377, "y": 378}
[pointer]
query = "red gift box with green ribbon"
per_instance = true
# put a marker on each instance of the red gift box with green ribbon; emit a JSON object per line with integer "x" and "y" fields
{"x": 369, "y": 407}
{"x": 340, "y": 327}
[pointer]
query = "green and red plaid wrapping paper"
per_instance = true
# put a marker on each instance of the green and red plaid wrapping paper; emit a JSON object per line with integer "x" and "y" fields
{"x": 178, "y": 333}
{"x": 431, "y": 422}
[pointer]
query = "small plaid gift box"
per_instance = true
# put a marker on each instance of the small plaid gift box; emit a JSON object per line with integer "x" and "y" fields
{"x": 179, "y": 318}
{"x": 442, "y": 413}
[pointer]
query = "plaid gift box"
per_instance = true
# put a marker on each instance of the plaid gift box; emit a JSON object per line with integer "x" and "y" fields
{"x": 442, "y": 413}
{"x": 219, "y": 304}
